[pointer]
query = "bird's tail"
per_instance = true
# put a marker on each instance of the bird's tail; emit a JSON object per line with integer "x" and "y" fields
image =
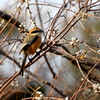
{"x": 23, "y": 64}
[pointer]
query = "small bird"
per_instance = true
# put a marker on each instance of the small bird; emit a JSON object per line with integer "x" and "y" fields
{"x": 30, "y": 44}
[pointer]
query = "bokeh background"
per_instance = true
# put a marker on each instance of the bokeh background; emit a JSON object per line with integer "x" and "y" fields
{"x": 64, "y": 77}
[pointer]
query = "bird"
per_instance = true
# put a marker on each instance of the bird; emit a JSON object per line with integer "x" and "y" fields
{"x": 30, "y": 44}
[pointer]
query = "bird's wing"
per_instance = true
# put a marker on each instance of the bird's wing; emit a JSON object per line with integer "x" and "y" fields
{"x": 29, "y": 40}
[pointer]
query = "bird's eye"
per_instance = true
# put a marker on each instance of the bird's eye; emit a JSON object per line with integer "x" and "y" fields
{"x": 37, "y": 31}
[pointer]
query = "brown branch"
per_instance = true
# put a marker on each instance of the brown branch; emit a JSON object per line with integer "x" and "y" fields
{"x": 8, "y": 17}
{"x": 54, "y": 51}
{"x": 53, "y": 73}
{"x": 9, "y": 57}
{"x": 8, "y": 81}
{"x": 47, "y": 83}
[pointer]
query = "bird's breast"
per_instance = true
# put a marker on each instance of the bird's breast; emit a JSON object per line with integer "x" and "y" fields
{"x": 33, "y": 47}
